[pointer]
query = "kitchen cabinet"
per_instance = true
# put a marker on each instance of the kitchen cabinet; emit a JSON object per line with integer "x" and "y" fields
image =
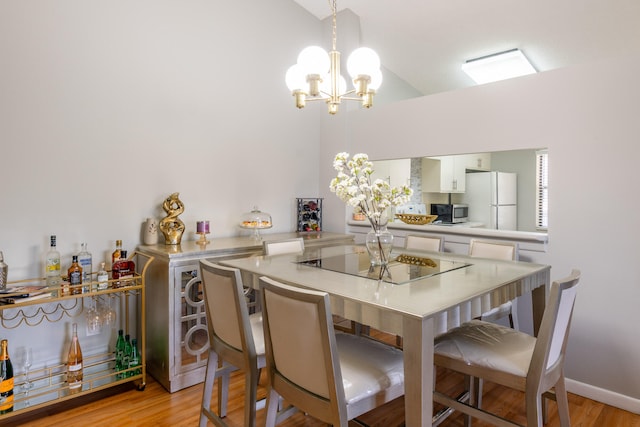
{"x": 444, "y": 174}
{"x": 475, "y": 161}
{"x": 447, "y": 174}
{"x": 177, "y": 338}
{"x": 397, "y": 172}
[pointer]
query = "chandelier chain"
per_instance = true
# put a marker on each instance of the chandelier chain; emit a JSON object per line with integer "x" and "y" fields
{"x": 332, "y": 4}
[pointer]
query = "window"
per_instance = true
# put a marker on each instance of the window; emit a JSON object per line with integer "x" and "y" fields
{"x": 542, "y": 189}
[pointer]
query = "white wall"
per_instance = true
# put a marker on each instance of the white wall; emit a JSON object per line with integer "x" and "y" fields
{"x": 588, "y": 117}
{"x": 108, "y": 107}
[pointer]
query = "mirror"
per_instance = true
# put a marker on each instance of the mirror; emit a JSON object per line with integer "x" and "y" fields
{"x": 444, "y": 179}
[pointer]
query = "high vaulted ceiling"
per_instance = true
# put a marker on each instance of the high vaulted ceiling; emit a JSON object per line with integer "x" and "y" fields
{"x": 426, "y": 41}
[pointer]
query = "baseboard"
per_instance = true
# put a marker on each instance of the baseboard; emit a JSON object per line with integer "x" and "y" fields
{"x": 608, "y": 397}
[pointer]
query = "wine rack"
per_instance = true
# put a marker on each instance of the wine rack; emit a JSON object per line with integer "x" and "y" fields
{"x": 48, "y": 384}
{"x": 309, "y": 214}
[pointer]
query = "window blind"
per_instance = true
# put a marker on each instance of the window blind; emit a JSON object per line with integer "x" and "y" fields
{"x": 542, "y": 189}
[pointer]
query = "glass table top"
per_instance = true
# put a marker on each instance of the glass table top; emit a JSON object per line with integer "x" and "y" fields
{"x": 403, "y": 268}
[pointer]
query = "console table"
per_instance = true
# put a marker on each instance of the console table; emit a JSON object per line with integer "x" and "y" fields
{"x": 176, "y": 333}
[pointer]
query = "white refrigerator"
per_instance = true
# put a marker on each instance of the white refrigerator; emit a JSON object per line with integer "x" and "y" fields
{"x": 493, "y": 199}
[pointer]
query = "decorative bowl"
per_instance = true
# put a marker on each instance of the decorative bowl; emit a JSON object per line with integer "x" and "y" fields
{"x": 414, "y": 260}
{"x": 415, "y": 219}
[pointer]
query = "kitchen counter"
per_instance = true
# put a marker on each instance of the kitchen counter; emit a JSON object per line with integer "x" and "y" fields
{"x": 459, "y": 224}
{"x": 464, "y": 229}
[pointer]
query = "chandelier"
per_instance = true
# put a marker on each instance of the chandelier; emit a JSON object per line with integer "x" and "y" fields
{"x": 316, "y": 75}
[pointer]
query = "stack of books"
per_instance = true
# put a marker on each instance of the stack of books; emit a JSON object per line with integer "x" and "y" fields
{"x": 20, "y": 294}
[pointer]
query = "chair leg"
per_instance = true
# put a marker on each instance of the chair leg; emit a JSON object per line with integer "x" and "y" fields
{"x": 534, "y": 409}
{"x": 477, "y": 384}
{"x": 273, "y": 400}
{"x": 223, "y": 388}
{"x": 251, "y": 396}
{"x": 563, "y": 402}
{"x": 471, "y": 388}
{"x": 212, "y": 366}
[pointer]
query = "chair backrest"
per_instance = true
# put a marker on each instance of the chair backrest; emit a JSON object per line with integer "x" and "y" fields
{"x": 495, "y": 250}
{"x": 425, "y": 243}
{"x": 288, "y": 246}
{"x": 307, "y": 376}
{"x": 229, "y": 327}
{"x": 551, "y": 343}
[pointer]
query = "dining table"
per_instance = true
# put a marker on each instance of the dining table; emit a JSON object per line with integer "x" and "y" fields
{"x": 417, "y": 296}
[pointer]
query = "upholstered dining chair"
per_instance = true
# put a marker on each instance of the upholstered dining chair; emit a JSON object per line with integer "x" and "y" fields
{"x": 235, "y": 337}
{"x": 274, "y": 247}
{"x": 329, "y": 375}
{"x": 287, "y": 246}
{"x": 422, "y": 242}
{"x": 497, "y": 250}
{"x": 296, "y": 246}
{"x": 514, "y": 359}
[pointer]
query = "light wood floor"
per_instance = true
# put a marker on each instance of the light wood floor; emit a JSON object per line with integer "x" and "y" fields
{"x": 155, "y": 407}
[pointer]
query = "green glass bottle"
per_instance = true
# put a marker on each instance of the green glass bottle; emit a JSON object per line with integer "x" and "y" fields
{"x": 119, "y": 352}
{"x": 126, "y": 355}
{"x": 134, "y": 359}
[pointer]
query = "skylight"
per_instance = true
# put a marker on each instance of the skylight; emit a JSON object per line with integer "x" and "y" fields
{"x": 498, "y": 66}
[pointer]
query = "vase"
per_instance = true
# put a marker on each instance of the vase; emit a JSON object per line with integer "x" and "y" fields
{"x": 379, "y": 242}
{"x": 150, "y": 231}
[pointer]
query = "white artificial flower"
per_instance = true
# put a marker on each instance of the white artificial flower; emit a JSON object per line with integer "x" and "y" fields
{"x": 353, "y": 186}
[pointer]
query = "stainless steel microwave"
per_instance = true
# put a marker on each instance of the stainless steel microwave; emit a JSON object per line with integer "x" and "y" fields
{"x": 450, "y": 213}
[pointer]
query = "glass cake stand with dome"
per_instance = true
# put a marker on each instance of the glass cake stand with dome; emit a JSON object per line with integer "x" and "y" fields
{"x": 256, "y": 220}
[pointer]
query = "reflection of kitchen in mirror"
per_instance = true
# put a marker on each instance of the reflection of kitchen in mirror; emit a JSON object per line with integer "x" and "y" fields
{"x": 498, "y": 188}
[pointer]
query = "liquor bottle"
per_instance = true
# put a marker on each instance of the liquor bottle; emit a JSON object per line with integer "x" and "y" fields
{"x": 52, "y": 272}
{"x": 102, "y": 277}
{"x": 122, "y": 269}
{"x": 126, "y": 355}
{"x": 74, "y": 363}
{"x": 134, "y": 359}
{"x": 117, "y": 254}
{"x": 3, "y": 272}
{"x": 84, "y": 258}
{"x": 119, "y": 352}
{"x": 74, "y": 273}
{"x": 6, "y": 374}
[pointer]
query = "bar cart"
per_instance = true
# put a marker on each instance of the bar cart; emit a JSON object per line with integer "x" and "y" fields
{"x": 48, "y": 384}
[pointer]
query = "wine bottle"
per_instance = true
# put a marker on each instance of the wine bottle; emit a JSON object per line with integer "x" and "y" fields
{"x": 74, "y": 363}
{"x": 117, "y": 254}
{"x": 122, "y": 269}
{"x": 6, "y": 373}
{"x": 119, "y": 352}
{"x": 102, "y": 277}
{"x": 52, "y": 266}
{"x": 74, "y": 273}
{"x": 85, "y": 261}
